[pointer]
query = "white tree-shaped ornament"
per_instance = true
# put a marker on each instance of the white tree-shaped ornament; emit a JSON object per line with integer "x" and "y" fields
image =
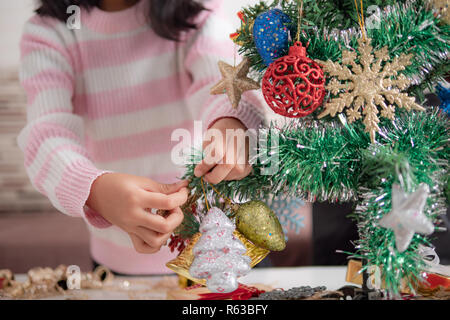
{"x": 219, "y": 255}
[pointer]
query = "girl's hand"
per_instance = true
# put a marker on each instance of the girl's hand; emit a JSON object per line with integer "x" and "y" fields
{"x": 125, "y": 201}
{"x": 225, "y": 160}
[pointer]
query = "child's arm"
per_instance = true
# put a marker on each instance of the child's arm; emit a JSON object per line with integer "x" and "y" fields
{"x": 56, "y": 161}
{"x": 60, "y": 167}
{"x": 209, "y": 45}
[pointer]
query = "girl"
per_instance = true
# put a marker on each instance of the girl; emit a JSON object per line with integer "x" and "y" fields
{"x": 103, "y": 101}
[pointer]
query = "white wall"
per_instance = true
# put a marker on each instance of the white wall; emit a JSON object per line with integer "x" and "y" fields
{"x": 13, "y": 14}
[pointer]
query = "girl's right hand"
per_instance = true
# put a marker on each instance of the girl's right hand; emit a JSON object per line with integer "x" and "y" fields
{"x": 125, "y": 201}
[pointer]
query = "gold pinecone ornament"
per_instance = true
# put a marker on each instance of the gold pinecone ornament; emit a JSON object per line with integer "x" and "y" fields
{"x": 258, "y": 223}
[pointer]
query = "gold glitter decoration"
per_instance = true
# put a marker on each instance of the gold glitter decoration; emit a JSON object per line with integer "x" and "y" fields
{"x": 47, "y": 282}
{"x": 182, "y": 263}
{"x": 235, "y": 81}
{"x": 258, "y": 223}
{"x": 441, "y": 7}
{"x": 368, "y": 86}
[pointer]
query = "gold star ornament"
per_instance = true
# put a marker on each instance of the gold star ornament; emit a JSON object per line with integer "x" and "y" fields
{"x": 234, "y": 81}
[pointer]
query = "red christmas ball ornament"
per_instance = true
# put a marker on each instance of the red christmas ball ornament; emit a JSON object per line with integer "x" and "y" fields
{"x": 294, "y": 85}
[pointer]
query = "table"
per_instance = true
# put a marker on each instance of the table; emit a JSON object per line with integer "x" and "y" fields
{"x": 331, "y": 277}
{"x": 156, "y": 288}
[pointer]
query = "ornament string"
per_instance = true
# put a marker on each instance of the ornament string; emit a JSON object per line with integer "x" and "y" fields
{"x": 361, "y": 18}
{"x": 228, "y": 200}
{"x": 204, "y": 193}
{"x": 300, "y": 14}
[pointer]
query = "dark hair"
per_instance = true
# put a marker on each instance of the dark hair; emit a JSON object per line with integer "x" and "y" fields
{"x": 168, "y": 18}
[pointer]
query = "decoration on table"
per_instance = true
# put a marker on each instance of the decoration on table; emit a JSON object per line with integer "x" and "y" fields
{"x": 301, "y": 293}
{"x": 271, "y": 35}
{"x": 6, "y": 276}
{"x": 234, "y": 82}
{"x": 219, "y": 255}
{"x": 407, "y": 216}
{"x": 199, "y": 292}
{"x": 258, "y": 223}
{"x": 436, "y": 276}
{"x": 444, "y": 95}
{"x": 432, "y": 285}
{"x": 243, "y": 292}
{"x": 366, "y": 85}
{"x": 432, "y": 260}
{"x": 45, "y": 282}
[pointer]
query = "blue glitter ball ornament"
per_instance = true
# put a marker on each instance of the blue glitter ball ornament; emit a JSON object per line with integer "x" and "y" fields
{"x": 444, "y": 95}
{"x": 271, "y": 35}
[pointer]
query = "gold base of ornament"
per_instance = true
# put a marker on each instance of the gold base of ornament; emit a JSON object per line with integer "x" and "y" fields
{"x": 182, "y": 263}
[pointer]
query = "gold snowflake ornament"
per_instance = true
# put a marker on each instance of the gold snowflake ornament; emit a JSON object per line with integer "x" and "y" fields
{"x": 367, "y": 86}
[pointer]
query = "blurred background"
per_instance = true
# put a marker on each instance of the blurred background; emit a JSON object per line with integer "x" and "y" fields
{"x": 33, "y": 234}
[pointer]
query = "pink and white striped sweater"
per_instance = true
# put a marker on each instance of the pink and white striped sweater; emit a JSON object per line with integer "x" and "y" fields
{"x": 106, "y": 98}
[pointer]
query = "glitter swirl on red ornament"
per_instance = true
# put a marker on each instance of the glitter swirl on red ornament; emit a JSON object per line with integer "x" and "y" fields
{"x": 294, "y": 85}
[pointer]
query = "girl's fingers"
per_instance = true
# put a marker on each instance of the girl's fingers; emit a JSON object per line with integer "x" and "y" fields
{"x": 239, "y": 172}
{"x": 141, "y": 246}
{"x": 202, "y": 168}
{"x": 153, "y": 186}
{"x": 152, "y": 238}
{"x": 219, "y": 173}
{"x": 160, "y": 224}
{"x": 214, "y": 154}
{"x": 164, "y": 201}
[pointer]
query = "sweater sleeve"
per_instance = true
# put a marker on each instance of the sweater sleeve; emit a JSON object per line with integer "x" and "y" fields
{"x": 209, "y": 44}
{"x": 56, "y": 161}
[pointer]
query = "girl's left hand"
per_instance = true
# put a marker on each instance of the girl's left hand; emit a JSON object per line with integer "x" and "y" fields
{"x": 225, "y": 159}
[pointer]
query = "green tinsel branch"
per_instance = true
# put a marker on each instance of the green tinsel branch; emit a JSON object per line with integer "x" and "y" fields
{"x": 323, "y": 161}
{"x": 415, "y": 149}
{"x": 335, "y": 161}
{"x": 317, "y": 161}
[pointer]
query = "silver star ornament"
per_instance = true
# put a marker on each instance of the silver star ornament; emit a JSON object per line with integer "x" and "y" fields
{"x": 407, "y": 217}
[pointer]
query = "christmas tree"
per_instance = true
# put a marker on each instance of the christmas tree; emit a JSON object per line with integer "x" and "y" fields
{"x": 353, "y": 75}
